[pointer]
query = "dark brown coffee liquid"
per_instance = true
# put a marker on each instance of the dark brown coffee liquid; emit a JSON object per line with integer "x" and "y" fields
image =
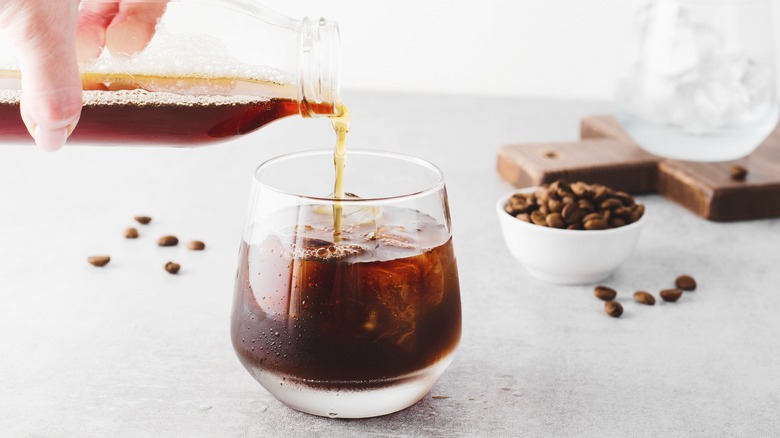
{"x": 379, "y": 306}
{"x": 121, "y": 109}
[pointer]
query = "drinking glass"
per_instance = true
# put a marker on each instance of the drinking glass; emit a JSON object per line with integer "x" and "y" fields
{"x": 697, "y": 79}
{"x": 358, "y": 325}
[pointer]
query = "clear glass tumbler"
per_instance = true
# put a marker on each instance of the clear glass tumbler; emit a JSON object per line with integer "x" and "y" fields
{"x": 353, "y": 326}
{"x": 697, "y": 79}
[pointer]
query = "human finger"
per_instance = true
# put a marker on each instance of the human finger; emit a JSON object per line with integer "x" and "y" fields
{"x": 44, "y": 35}
{"x": 133, "y": 26}
{"x": 94, "y": 17}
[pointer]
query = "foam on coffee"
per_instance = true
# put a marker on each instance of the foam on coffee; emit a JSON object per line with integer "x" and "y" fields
{"x": 184, "y": 55}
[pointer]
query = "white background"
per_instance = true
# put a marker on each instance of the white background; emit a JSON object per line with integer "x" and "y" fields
{"x": 546, "y": 48}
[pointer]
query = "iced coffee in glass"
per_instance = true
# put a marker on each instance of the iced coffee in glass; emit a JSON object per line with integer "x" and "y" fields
{"x": 357, "y": 321}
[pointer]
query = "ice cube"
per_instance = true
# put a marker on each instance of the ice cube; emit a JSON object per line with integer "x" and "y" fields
{"x": 403, "y": 290}
{"x": 708, "y": 40}
{"x": 669, "y": 44}
{"x": 395, "y": 236}
{"x": 352, "y": 215}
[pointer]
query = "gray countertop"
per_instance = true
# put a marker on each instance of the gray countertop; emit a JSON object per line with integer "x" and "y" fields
{"x": 130, "y": 350}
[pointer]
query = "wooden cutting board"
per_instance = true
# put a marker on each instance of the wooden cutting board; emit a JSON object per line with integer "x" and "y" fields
{"x": 607, "y": 155}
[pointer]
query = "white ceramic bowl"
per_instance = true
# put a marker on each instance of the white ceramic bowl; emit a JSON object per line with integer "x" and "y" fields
{"x": 567, "y": 256}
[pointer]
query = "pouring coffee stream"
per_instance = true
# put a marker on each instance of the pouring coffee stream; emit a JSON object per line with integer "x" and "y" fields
{"x": 341, "y": 124}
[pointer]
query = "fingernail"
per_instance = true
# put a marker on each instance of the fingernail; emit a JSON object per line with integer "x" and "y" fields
{"x": 50, "y": 139}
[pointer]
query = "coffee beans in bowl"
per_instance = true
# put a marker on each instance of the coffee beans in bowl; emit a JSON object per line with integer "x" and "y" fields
{"x": 575, "y": 206}
{"x": 570, "y": 233}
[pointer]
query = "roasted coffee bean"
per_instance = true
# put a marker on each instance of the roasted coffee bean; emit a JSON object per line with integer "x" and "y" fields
{"x": 671, "y": 295}
{"x": 541, "y": 195}
{"x": 613, "y": 309}
{"x": 554, "y": 220}
{"x": 595, "y": 224}
{"x": 554, "y": 205}
{"x": 99, "y": 261}
{"x": 626, "y": 199}
{"x": 143, "y": 220}
{"x": 592, "y": 216}
{"x": 544, "y": 210}
{"x": 538, "y": 218}
{"x": 604, "y": 293}
{"x": 616, "y": 222}
{"x": 567, "y": 200}
{"x": 572, "y": 213}
{"x": 131, "y": 233}
{"x": 585, "y": 205}
{"x": 637, "y": 211}
{"x": 563, "y": 188}
{"x": 623, "y": 212}
{"x": 685, "y": 282}
{"x": 524, "y": 217}
{"x": 738, "y": 173}
{"x": 579, "y": 188}
{"x": 600, "y": 193}
{"x": 643, "y": 297}
{"x": 168, "y": 241}
{"x": 517, "y": 203}
{"x": 574, "y": 227}
{"x": 196, "y": 245}
{"x": 610, "y": 204}
{"x": 172, "y": 268}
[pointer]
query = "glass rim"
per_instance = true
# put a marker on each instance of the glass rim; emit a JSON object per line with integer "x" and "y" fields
{"x": 438, "y": 185}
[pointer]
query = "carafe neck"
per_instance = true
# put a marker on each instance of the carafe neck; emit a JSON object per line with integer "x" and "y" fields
{"x": 318, "y": 67}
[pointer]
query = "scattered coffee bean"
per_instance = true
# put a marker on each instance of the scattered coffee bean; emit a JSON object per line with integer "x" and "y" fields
{"x": 131, "y": 233}
{"x": 196, "y": 245}
{"x": 604, "y": 293}
{"x": 168, "y": 241}
{"x": 738, "y": 173}
{"x": 671, "y": 295}
{"x": 143, "y": 220}
{"x": 576, "y": 206}
{"x": 613, "y": 309}
{"x": 172, "y": 267}
{"x": 99, "y": 261}
{"x": 643, "y": 297}
{"x": 685, "y": 282}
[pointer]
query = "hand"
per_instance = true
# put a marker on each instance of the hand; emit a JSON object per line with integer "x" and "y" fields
{"x": 51, "y": 35}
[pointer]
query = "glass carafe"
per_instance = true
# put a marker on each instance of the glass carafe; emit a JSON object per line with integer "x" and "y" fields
{"x": 214, "y": 70}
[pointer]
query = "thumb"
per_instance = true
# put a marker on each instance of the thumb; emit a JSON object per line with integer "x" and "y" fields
{"x": 44, "y": 33}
